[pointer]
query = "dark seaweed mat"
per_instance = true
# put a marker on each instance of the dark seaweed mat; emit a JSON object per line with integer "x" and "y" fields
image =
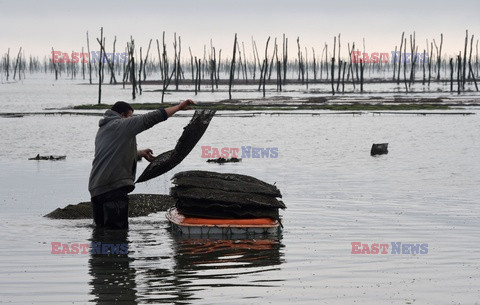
{"x": 192, "y": 133}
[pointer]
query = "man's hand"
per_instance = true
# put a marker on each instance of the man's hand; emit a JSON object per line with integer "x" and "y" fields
{"x": 147, "y": 154}
{"x": 182, "y": 106}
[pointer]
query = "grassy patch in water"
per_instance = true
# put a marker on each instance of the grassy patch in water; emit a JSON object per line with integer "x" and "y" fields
{"x": 289, "y": 107}
{"x": 383, "y": 107}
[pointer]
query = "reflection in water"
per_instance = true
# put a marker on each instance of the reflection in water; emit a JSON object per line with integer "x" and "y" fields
{"x": 204, "y": 254}
{"x": 201, "y": 264}
{"x": 113, "y": 278}
{"x": 194, "y": 266}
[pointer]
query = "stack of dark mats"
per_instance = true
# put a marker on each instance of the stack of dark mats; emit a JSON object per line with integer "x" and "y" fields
{"x": 224, "y": 196}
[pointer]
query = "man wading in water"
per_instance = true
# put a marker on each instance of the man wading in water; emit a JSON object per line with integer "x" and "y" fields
{"x": 115, "y": 162}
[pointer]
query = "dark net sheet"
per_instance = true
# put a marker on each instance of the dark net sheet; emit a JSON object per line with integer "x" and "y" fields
{"x": 192, "y": 133}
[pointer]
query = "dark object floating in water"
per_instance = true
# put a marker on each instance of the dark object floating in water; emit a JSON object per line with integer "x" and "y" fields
{"x": 192, "y": 133}
{"x": 224, "y": 196}
{"x": 223, "y": 160}
{"x": 379, "y": 149}
{"x": 51, "y": 157}
{"x": 139, "y": 205}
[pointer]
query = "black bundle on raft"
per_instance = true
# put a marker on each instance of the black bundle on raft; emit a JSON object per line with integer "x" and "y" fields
{"x": 224, "y": 196}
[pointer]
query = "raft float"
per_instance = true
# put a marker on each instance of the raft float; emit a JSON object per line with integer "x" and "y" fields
{"x": 195, "y": 226}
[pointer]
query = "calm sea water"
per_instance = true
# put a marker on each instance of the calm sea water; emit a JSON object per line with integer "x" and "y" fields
{"x": 424, "y": 191}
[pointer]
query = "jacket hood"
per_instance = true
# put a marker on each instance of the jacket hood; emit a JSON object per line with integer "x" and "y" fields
{"x": 109, "y": 115}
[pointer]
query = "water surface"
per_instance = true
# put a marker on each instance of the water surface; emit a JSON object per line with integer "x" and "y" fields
{"x": 424, "y": 191}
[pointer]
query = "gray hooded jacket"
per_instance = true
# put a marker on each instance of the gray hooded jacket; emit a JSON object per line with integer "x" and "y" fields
{"x": 115, "y": 161}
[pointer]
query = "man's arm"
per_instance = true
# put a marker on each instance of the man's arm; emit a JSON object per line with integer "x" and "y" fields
{"x": 182, "y": 106}
{"x": 148, "y": 153}
{"x": 137, "y": 124}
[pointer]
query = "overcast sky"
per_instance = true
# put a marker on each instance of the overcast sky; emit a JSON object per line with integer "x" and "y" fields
{"x": 38, "y": 26}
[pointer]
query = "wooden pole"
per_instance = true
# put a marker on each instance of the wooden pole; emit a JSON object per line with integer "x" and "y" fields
{"x": 167, "y": 78}
{"x": 350, "y": 69}
{"x": 459, "y": 69}
{"x": 361, "y": 75}
{"x": 451, "y": 74}
{"x": 343, "y": 77}
{"x": 218, "y": 67}
{"x": 232, "y": 68}
{"x": 394, "y": 58}
{"x": 100, "y": 79}
{"x": 400, "y": 59}
{"x": 17, "y": 64}
{"x": 439, "y": 58}
{"x": 272, "y": 60}
{"x": 279, "y": 73}
{"x": 54, "y": 66}
{"x": 145, "y": 61}
{"x": 405, "y": 66}
{"x": 285, "y": 57}
{"x": 476, "y": 57}
{"x": 178, "y": 66}
{"x": 423, "y": 67}
{"x": 192, "y": 65}
{"x": 160, "y": 61}
{"x": 132, "y": 68}
{"x": 213, "y": 67}
{"x": 339, "y": 74}
{"x": 321, "y": 64}
{"x": 306, "y": 66}
{"x": 112, "y": 65}
{"x": 279, "y": 76}
{"x": 140, "y": 73}
{"x": 199, "y": 74}
{"x": 430, "y": 58}
{"x": 471, "y": 71}
{"x": 465, "y": 61}
{"x": 254, "y": 75}
{"x": 299, "y": 60}
{"x": 326, "y": 60}
{"x": 89, "y": 60}
{"x": 8, "y": 64}
{"x": 339, "y": 63}
{"x": 266, "y": 66}
{"x": 83, "y": 64}
{"x": 175, "y": 67}
{"x": 332, "y": 78}
{"x": 195, "y": 78}
{"x": 413, "y": 56}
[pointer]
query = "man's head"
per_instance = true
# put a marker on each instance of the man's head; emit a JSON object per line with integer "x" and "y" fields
{"x": 123, "y": 108}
